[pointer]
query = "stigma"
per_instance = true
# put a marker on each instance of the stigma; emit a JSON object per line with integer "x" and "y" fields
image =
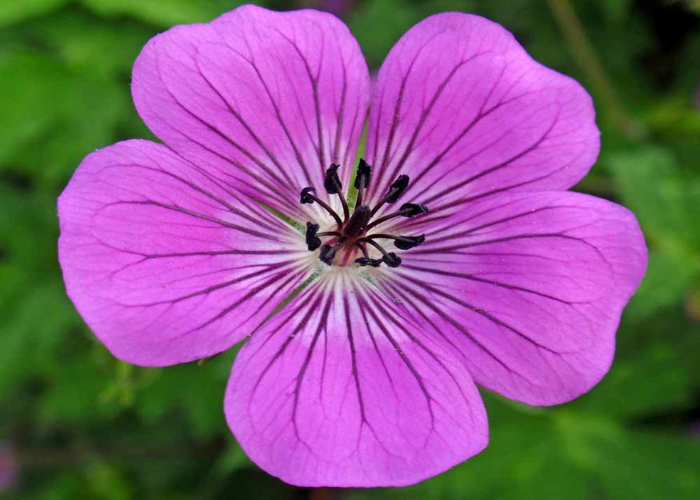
{"x": 355, "y": 232}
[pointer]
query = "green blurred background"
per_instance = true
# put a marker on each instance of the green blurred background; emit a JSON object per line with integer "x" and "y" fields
{"x": 76, "y": 423}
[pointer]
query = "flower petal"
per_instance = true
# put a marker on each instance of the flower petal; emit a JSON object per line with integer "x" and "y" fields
{"x": 528, "y": 287}
{"x": 166, "y": 263}
{"x": 340, "y": 389}
{"x": 463, "y": 109}
{"x": 267, "y": 97}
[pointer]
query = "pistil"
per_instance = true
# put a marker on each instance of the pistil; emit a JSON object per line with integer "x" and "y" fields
{"x": 357, "y": 223}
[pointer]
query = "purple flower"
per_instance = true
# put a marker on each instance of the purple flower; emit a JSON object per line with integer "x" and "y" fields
{"x": 464, "y": 260}
{"x": 8, "y": 467}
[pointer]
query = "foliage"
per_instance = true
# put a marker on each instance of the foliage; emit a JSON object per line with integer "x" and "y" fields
{"x": 84, "y": 425}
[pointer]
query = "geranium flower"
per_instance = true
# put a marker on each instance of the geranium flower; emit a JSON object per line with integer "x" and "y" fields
{"x": 463, "y": 260}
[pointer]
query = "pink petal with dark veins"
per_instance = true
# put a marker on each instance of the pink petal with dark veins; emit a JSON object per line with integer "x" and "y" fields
{"x": 269, "y": 98}
{"x": 527, "y": 287}
{"x": 346, "y": 389}
{"x": 465, "y": 111}
{"x": 166, "y": 263}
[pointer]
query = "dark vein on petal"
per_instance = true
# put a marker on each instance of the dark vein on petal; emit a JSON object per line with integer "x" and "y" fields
{"x": 215, "y": 253}
{"x": 492, "y": 223}
{"x": 353, "y": 355}
{"x": 196, "y": 215}
{"x": 506, "y": 239}
{"x": 317, "y": 105}
{"x": 406, "y": 361}
{"x": 227, "y": 139}
{"x": 425, "y": 114}
{"x": 480, "y": 312}
{"x": 219, "y": 286}
{"x": 302, "y": 305}
{"x": 335, "y": 157}
{"x": 278, "y": 113}
{"x": 485, "y": 194}
{"x": 430, "y": 304}
{"x": 235, "y": 145}
{"x": 248, "y": 128}
{"x": 284, "y": 199}
{"x": 396, "y": 290}
{"x": 489, "y": 170}
{"x": 419, "y": 343}
{"x": 302, "y": 371}
{"x": 274, "y": 281}
{"x": 499, "y": 284}
{"x": 396, "y": 119}
{"x": 363, "y": 310}
{"x": 203, "y": 191}
{"x": 462, "y": 135}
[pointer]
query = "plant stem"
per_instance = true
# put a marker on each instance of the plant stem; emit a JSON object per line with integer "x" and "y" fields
{"x": 321, "y": 494}
{"x": 586, "y": 57}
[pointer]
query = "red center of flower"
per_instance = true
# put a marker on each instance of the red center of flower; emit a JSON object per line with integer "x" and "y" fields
{"x": 352, "y": 233}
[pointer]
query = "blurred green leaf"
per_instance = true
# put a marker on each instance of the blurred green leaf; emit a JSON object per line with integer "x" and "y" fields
{"x": 616, "y": 10}
{"x": 107, "y": 482}
{"x": 560, "y": 453}
{"x": 54, "y": 117}
{"x": 12, "y": 11}
{"x": 634, "y": 465}
{"x": 664, "y": 200}
{"x": 671, "y": 117}
{"x": 98, "y": 481}
{"x": 524, "y": 459}
{"x": 669, "y": 277}
{"x": 35, "y": 310}
{"x": 233, "y": 459}
{"x": 74, "y": 394}
{"x": 88, "y": 44}
{"x": 365, "y": 21}
{"x": 629, "y": 390}
{"x": 644, "y": 465}
{"x": 667, "y": 203}
{"x": 196, "y": 392}
{"x": 28, "y": 341}
{"x": 163, "y": 12}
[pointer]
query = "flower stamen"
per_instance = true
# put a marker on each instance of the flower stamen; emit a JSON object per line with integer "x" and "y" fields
{"x": 312, "y": 239}
{"x": 353, "y": 230}
{"x": 364, "y": 172}
{"x": 406, "y": 210}
{"x": 308, "y": 197}
{"x": 366, "y": 260}
{"x": 397, "y": 188}
{"x": 334, "y": 186}
{"x": 389, "y": 258}
{"x": 401, "y": 242}
{"x": 328, "y": 251}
